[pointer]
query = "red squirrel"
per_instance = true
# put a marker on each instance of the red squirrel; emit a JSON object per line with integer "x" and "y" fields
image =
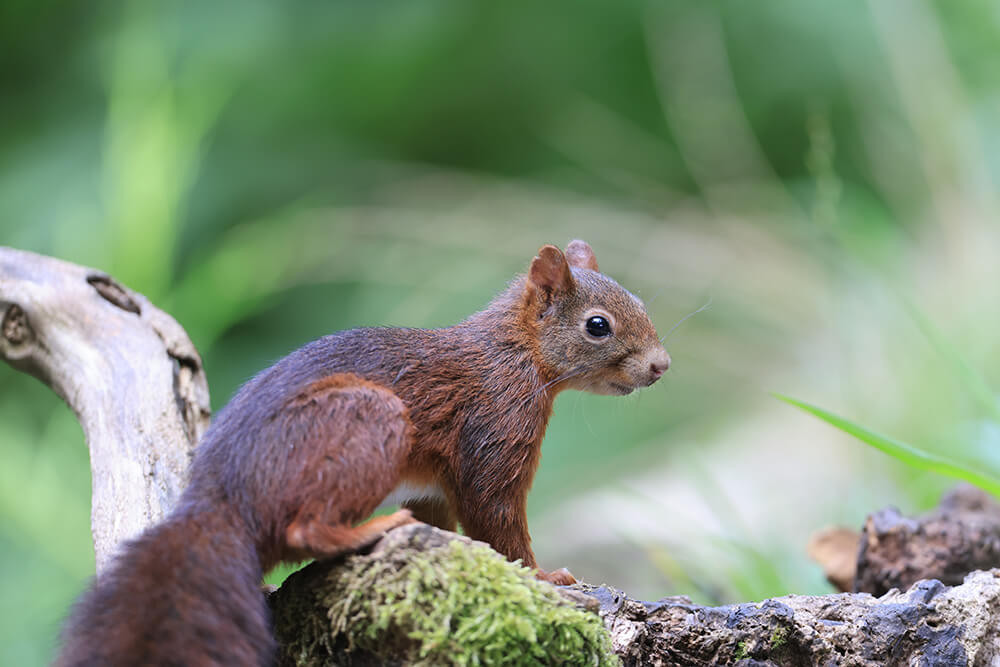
{"x": 448, "y": 421}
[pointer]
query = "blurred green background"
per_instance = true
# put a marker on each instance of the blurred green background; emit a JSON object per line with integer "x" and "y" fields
{"x": 826, "y": 173}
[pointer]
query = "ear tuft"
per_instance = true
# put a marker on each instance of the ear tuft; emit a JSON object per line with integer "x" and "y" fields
{"x": 579, "y": 254}
{"x": 550, "y": 271}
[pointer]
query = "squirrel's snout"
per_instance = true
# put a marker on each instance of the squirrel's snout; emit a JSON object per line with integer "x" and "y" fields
{"x": 659, "y": 362}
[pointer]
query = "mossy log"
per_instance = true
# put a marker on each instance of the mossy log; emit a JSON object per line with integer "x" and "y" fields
{"x": 424, "y": 596}
{"x": 427, "y": 597}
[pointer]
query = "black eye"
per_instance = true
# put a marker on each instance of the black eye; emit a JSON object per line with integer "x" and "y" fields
{"x": 598, "y": 327}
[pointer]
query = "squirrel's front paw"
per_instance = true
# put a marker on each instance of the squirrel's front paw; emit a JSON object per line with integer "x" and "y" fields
{"x": 560, "y": 577}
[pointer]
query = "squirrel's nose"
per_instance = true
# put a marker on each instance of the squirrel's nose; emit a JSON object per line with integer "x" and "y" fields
{"x": 659, "y": 364}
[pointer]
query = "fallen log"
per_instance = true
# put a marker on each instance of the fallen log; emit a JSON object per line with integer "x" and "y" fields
{"x": 336, "y": 613}
{"x": 929, "y": 624}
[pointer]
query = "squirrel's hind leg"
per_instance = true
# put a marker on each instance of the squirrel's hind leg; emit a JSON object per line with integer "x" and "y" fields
{"x": 322, "y": 540}
{"x": 357, "y": 434}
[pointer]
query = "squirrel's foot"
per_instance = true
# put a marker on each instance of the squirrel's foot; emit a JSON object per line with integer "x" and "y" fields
{"x": 321, "y": 540}
{"x": 371, "y": 531}
{"x": 560, "y": 577}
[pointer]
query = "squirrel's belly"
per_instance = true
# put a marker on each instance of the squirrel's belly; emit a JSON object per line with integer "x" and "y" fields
{"x": 409, "y": 490}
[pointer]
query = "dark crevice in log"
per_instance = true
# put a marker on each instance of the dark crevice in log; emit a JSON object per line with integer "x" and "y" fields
{"x": 114, "y": 293}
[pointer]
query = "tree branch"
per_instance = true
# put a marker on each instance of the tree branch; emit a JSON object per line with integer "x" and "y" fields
{"x": 126, "y": 369}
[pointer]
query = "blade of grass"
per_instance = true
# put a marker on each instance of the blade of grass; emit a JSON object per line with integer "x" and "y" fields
{"x": 908, "y": 454}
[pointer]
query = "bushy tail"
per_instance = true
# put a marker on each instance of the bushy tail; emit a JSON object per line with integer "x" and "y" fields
{"x": 186, "y": 592}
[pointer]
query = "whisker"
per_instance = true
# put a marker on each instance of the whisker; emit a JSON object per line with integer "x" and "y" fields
{"x": 565, "y": 376}
{"x": 685, "y": 318}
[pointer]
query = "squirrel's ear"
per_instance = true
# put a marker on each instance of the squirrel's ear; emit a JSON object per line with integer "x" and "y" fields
{"x": 579, "y": 254}
{"x": 550, "y": 271}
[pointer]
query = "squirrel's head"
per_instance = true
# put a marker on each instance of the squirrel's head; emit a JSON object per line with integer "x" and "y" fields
{"x": 593, "y": 334}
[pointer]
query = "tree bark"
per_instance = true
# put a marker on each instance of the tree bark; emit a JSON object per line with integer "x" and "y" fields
{"x": 930, "y": 624}
{"x": 960, "y": 535}
{"x": 126, "y": 369}
{"x": 891, "y": 550}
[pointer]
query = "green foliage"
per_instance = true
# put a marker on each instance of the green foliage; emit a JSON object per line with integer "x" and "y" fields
{"x": 971, "y": 381}
{"x": 461, "y": 605}
{"x": 271, "y": 172}
{"x": 908, "y": 454}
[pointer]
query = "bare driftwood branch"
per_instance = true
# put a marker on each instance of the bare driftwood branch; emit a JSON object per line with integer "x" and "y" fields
{"x": 127, "y": 370}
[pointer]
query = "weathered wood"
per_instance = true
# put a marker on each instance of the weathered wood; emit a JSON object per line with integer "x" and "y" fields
{"x": 960, "y": 535}
{"x": 930, "y": 624}
{"x": 127, "y": 370}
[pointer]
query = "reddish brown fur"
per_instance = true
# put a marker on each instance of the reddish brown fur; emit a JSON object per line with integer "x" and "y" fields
{"x": 311, "y": 446}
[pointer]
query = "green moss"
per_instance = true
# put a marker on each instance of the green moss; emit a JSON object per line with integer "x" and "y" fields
{"x": 741, "y": 650}
{"x": 778, "y": 638}
{"x": 459, "y": 605}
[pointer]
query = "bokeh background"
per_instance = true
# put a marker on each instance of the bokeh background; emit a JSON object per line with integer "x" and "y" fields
{"x": 825, "y": 173}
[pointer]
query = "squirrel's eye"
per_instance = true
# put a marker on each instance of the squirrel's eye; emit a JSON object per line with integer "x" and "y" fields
{"x": 598, "y": 327}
